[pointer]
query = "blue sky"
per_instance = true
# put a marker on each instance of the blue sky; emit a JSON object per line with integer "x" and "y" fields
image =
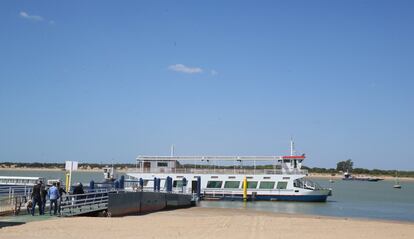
{"x": 104, "y": 81}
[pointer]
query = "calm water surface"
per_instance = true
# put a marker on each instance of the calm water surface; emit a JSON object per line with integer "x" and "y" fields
{"x": 376, "y": 200}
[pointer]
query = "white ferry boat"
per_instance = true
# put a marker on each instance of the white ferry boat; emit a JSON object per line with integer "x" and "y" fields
{"x": 19, "y": 180}
{"x": 17, "y": 184}
{"x": 285, "y": 181}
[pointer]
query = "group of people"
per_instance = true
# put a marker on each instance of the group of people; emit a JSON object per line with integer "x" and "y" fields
{"x": 40, "y": 195}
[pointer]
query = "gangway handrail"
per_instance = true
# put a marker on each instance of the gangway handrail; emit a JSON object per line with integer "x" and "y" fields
{"x": 77, "y": 204}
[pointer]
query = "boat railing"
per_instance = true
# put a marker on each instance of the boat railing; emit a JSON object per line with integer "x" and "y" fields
{"x": 306, "y": 184}
{"x": 245, "y": 171}
{"x": 134, "y": 186}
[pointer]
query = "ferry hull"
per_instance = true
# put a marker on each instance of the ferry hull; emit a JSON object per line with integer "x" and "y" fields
{"x": 296, "y": 198}
{"x": 291, "y": 198}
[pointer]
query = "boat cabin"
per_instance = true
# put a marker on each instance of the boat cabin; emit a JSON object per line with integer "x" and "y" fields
{"x": 109, "y": 173}
{"x": 222, "y": 164}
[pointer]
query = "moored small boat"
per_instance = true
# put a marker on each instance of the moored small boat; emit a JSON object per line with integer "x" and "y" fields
{"x": 349, "y": 177}
{"x": 397, "y": 184}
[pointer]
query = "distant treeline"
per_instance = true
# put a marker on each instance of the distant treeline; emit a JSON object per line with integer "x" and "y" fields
{"x": 129, "y": 165}
{"x": 62, "y": 165}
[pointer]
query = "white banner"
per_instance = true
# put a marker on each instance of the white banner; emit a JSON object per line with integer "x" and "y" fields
{"x": 71, "y": 165}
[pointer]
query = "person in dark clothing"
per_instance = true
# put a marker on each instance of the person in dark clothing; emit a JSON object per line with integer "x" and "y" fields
{"x": 43, "y": 193}
{"x": 78, "y": 190}
{"x": 61, "y": 192}
{"x": 36, "y": 198}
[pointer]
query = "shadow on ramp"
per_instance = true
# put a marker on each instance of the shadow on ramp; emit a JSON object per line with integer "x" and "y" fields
{"x": 10, "y": 224}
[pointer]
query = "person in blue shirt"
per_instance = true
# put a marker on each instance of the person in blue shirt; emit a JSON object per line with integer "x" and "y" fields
{"x": 53, "y": 194}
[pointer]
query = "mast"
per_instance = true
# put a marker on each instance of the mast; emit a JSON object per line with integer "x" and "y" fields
{"x": 292, "y": 147}
{"x": 172, "y": 150}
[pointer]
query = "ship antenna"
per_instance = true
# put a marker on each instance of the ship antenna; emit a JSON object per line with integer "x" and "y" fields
{"x": 292, "y": 147}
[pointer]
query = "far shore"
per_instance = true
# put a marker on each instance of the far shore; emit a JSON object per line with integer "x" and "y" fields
{"x": 311, "y": 175}
{"x": 339, "y": 176}
{"x": 48, "y": 169}
{"x": 212, "y": 223}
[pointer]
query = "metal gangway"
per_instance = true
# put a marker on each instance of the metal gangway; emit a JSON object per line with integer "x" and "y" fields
{"x": 87, "y": 203}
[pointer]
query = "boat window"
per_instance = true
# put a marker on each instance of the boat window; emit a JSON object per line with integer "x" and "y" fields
{"x": 249, "y": 177}
{"x": 232, "y": 184}
{"x": 214, "y": 184}
{"x": 298, "y": 183}
{"x": 162, "y": 164}
{"x": 267, "y": 185}
{"x": 286, "y": 177}
{"x": 177, "y": 183}
{"x": 281, "y": 185}
{"x": 232, "y": 177}
{"x": 266, "y": 177}
{"x": 251, "y": 184}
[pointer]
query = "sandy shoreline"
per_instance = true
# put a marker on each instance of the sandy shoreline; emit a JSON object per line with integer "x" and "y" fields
{"x": 210, "y": 223}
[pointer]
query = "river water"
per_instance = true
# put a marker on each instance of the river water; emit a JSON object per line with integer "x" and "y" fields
{"x": 359, "y": 199}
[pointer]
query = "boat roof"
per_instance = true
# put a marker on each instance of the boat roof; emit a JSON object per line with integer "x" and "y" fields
{"x": 219, "y": 158}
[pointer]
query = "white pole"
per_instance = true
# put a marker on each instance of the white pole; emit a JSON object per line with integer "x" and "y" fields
{"x": 70, "y": 174}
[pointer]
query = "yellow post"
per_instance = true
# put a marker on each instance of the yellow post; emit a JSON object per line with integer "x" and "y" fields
{"x": 67, "y": 184}
{"x": 245, "y": 189}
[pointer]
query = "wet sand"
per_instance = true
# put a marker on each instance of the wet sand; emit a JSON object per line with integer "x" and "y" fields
{"x": 210, "y": 223}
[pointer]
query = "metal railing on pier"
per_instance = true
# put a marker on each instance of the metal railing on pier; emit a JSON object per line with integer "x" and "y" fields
{"x": 13, "y": 198}
{"x": 15, "y": 190}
